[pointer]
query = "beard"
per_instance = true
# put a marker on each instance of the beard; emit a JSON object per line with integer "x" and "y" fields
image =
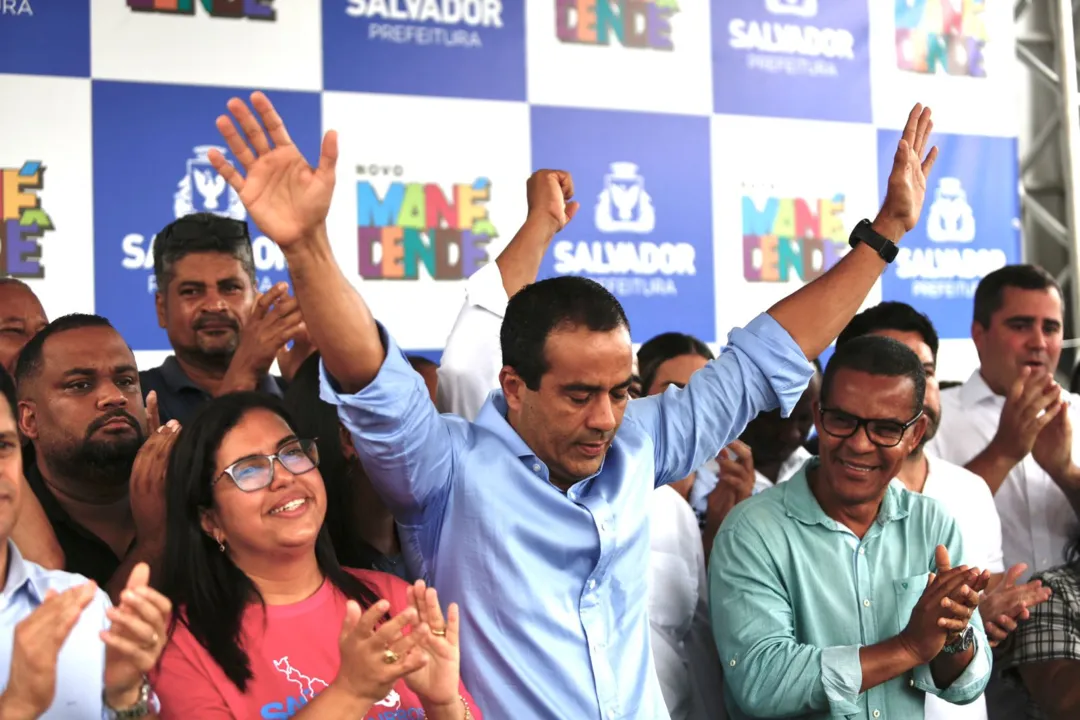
{"x": 104, "y": 462}
{"x": 934, "y": 417}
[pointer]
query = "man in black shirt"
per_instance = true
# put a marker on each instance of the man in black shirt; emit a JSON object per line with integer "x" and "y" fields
{"x": 224, "y": 335}
{"x": 81, "y": 406}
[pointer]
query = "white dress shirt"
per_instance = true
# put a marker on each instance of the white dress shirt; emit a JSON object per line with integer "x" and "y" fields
{"x": 1037, "y": 522}
{"x": 687, "y": 664}
{"x": 966, "y": 497}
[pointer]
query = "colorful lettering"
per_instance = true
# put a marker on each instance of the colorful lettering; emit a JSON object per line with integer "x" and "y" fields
{"x": 937, "y": 36}
{"x": 419, "y": 225}
{"x": 789, "y": 239}
{"x": 631, "y": 23}
{"x": 253, "y": 9}
{"x": 23, "y": 222}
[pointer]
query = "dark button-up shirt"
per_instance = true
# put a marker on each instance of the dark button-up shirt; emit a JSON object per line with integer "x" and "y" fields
{"x": 179, "y": 398}
{"x": 85, "y": 553}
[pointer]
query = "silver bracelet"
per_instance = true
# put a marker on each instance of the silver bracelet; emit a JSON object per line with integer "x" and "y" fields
{"x": 468, "y": 713}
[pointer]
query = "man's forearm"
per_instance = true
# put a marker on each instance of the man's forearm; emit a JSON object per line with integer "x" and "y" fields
{"x": 519, "y": 262}
{"x": 946, "y": 668}
{"x": 884, "y": 661}
{"x": 337, "y": 318}
{"x": 992, "y": 467}
{"x": 815, "y": 314}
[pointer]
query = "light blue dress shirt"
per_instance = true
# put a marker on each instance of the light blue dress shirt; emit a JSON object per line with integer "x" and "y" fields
{"x": 795, "y": 594}
{"x": 80, "y": 669}
{"x": 552, "y": 585}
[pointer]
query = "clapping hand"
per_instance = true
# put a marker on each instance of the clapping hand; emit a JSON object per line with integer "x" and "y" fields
{"x": 1007, "y": 603}
{"x": 373, "y": 656}
{"x": 944, "y": 609}
{"x": 438, "y": 681}
{"x": 135, "y": 639}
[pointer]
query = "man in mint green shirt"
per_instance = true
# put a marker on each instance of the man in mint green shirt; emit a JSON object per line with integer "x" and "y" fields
{"x": 832, "y": 595}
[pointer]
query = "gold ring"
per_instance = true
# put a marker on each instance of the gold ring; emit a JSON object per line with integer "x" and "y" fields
{"x": 439, "y": 633}
{"x": 390, "y": 657}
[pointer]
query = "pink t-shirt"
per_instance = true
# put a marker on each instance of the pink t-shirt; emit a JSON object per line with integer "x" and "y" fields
{"x": 293, "y": 657}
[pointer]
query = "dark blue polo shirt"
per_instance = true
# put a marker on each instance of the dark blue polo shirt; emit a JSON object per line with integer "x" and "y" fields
{"x": 179, "y": 398}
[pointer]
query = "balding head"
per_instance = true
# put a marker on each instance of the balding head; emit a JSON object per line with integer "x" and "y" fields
{"x": 21, "y": 317}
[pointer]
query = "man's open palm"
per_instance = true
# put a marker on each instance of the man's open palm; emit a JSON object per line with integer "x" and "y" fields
{"x": 283, "y": 194}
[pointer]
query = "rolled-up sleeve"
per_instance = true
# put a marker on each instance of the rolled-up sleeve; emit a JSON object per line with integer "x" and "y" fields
{"x": 760, "y": 369}
{"x": 472, "y": 359}
{"x": 971, "y": 683}
{"x": 405, "y": 446}
{"x": 766, "y": 671}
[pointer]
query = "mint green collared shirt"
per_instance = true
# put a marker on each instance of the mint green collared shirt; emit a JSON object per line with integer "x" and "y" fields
{"x": 795, "y": 594}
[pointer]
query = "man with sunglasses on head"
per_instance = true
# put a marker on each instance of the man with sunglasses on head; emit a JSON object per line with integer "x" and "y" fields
{"x": 835, "y": 593}
{"x": 224, "y": 334}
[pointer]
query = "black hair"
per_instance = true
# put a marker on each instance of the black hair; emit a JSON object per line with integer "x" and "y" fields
{"x": 318, "y": 419}
{"x": 201, "y": 233}
{"x": 990, "y": 294}
{"x": 891, "y": 315}
{"x": 949, "y": 384}
{"x": 209, "y": 593}
{"x": 30, "y": 357}
{"x": 877, "y": 355}
{"x": 656, "y": 351}
{"x": 7, "y": 387}
{"x": 543, "y": 307}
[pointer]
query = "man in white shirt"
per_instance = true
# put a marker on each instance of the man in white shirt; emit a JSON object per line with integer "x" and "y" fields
{"x": 1011, "y": 423}
{"x": 964, "y": 494}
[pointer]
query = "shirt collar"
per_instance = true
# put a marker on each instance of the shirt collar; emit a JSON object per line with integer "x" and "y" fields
{"x": 976, "y": 391}
{"x": 19, "y": 576}
{"x": 800, "y": 503}
{"x": 176, "y": 379}
{"x": 492, "y": 417}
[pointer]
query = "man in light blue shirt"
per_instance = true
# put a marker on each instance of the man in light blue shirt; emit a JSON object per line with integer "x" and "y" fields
{"x": 822, "y": 603}
{"x": 534, "y": 517}
{"x": 53, "y": 661}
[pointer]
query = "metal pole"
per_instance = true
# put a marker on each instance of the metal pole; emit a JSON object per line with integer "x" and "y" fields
{"x": 1070, "y": 107}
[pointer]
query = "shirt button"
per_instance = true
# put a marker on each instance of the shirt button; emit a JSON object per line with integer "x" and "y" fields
{"x": 877, "y": 713}
{"x": 862, "y": 551}
{"x": 732, "y": 663}
{"x": 911, "y": 683}
{"x": 536, "y": 468}
{"x": 592, "y": 584}
{"x": 866, "y": 603}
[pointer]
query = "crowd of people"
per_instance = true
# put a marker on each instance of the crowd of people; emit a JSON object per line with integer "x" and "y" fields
{"x": 546, "y": 524}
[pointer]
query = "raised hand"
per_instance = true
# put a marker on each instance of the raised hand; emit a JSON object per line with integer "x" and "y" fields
{"x": 275, "y": 321}
{"x": 906, "y": 188}
{"x": 1052, "y": 446}
{"x": 549, "y": 194}
{"x": 31, "y": 686}
{"x": 372, "y": 660}
{"x": 1008, "y": 603}
{"x": 147, "y": 483}
{"x": 285, "y": 196}
{"x": 438, "y": 681}
{"x": 134, "y": 641}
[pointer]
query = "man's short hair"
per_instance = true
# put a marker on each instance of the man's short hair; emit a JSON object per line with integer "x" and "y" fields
{"x": 877, "y": 355}
{"x": 891, "y": 315}
{"x": 658, "y": 350}
{"x": 419, "y": 362}
{"x": 543, "y": 307}
{"x": 7, "y": 387}
{"x": 201, "y": 233}
{"x": 30, "y": 359}
{"x": 990, "y": 294}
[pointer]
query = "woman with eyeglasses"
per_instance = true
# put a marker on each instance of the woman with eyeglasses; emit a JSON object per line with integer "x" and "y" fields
{"x": 268, "y": 624}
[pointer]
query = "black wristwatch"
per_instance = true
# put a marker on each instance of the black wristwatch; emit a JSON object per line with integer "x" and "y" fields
{"x": 961, "y": 644}
{"x": 865, "y": 233}
{"x": 147, "y": 704}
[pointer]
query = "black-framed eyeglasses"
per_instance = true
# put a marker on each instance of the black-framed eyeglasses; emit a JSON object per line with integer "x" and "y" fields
{"x": 883, "y": 433}
{"x": 257, "y": 471}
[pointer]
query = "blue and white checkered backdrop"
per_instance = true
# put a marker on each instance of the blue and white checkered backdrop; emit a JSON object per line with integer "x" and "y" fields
{"x": 721, "y": 151}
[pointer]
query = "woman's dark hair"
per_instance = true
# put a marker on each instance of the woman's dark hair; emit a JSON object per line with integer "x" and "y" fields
{"x": 666, "y": 346}
{"x": 315, "y": 418}
{"x": 209, "y": 593}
